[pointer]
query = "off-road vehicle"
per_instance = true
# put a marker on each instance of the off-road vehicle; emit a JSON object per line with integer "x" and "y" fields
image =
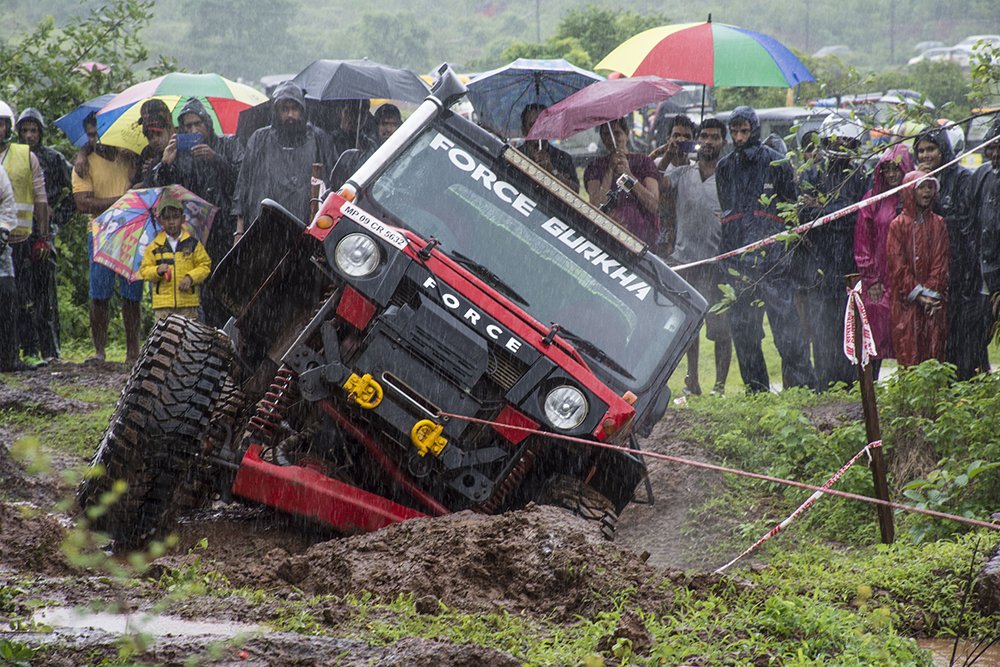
{"x": 408, "y": 352}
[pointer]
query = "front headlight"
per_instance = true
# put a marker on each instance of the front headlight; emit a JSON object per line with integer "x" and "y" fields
{"x": 357, "y": 255}
{"x": 565, "y": 407}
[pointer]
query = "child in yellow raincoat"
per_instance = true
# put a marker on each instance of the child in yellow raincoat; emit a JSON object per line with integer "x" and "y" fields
{"x": 175, "y": 264}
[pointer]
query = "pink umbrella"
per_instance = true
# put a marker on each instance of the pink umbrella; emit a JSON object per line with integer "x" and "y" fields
{"x": 599, "y": 103}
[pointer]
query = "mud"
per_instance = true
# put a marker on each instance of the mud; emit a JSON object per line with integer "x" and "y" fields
{"x": 540, "y": 563}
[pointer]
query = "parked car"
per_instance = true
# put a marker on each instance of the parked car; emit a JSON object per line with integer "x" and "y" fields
{"x": 959, "y": 55}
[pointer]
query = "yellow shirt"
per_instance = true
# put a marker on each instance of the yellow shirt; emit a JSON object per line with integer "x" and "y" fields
{"x": 107, "y": 178}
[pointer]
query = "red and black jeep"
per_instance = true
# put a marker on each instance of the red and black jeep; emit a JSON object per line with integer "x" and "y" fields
{"x": 450, "y": 277}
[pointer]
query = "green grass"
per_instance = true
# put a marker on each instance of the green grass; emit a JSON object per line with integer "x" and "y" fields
{"x": 72, "y": 432}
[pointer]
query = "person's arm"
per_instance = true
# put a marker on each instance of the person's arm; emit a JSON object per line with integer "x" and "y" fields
{"x": 937, "y": 277}
{"x": 41, "y": 207}
{"x": 598, "y": 185}
{"x": 647, "y": 187}
{"x": 202, "y": 265}
{"x": 148, "y": 270}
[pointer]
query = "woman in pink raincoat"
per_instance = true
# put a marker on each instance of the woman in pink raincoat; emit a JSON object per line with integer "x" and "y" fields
{"x": 871, "y": 233}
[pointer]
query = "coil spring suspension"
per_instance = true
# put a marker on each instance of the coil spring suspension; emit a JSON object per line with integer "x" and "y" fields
{"x": 511, "y": 481}
{"x": 272, "y": 407}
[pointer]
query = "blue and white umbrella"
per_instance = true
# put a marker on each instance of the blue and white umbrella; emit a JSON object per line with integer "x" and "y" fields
{"x": 499, "y": 96}
{"x": 72, "y": 123}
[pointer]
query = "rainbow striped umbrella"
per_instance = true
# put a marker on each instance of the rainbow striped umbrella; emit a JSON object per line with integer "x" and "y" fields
{"x": 117, "y": 121}
{"x": 713, "y": 54}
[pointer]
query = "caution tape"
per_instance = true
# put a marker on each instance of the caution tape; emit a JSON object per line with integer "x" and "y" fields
{"x": 867, "y": 339}
{"x": 803, "y": 507}
{"x": 830, "y": 217}
{"x": 730, "y": 471}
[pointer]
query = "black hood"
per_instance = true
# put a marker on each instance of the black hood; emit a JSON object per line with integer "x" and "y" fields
{"x": 287, "y": 91}
{"x": 34, "y": 114}
{"x": 941, "y": 140}
{"x": 195, "y": 106}
{"x": 749, "y": 115}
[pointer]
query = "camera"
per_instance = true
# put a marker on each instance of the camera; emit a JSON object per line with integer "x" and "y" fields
{"x": 625, "y": 183}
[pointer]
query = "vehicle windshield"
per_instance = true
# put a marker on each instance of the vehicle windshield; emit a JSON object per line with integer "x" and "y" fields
{"x": 493, "y": 220}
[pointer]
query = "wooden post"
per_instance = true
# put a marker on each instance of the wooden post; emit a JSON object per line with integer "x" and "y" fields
{"x": 872, "y": 429}
{"x": 316, "y": 184}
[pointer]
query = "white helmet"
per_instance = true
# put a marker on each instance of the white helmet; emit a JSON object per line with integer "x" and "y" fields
{"x": 7, "y": 112}
{"x": 839, "y": 124}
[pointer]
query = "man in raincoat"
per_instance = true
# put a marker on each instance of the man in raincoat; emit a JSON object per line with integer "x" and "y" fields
{"x": 210, "y": 170}
{"x": 966, "y": 305}
{"x": 984, "y": 204}
{"x": 278, "y": 160}
{"x": 750, "y": 173}
{"x": 918, "y": 275}
{"x": 826, "y": 254}
{"x": 40, "y": 263}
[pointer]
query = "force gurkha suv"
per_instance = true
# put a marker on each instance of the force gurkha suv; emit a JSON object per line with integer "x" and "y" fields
{"x": 407, "y": 353}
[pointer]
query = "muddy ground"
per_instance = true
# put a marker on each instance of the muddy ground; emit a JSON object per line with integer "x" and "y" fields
{"x": 539, "y": 562}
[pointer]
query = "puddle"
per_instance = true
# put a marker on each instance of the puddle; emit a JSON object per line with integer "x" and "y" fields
{"x": 941, "y": 653}
{"x": 68, "y": 617}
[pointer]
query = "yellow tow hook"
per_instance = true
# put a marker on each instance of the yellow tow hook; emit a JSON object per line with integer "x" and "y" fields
{"x": 363, "y": 390}
{"x": 426, "y": 437}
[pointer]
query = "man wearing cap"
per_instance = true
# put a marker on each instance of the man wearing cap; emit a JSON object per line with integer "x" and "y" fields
{"x": 41, "y": 334}
{"x": 175, "y": 264}
{"x": 158, "y": 128}
{"x": 102, "y": 174}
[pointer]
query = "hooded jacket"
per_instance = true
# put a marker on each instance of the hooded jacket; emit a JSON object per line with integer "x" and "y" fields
{"x": 212, "y": 179}
{"x": 918, "y": 265}
{"x": 190, "y": 259}
{"x": 984, "y": 205}
{"x": 871, "y": 236}
{"x": 826, "y": 254}
{"x": 57, "y": 171}
{"x": 952, "y": 204}
{"x": 741, "y": 178}
{"x": 278, "y": 162}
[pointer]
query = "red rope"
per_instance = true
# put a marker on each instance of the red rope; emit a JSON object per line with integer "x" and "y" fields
{"x": 732, "y": 471}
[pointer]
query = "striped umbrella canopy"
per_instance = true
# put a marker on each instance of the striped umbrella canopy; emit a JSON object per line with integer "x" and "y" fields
{"x": 117, "y": 121}
{"x": 713, "y": 54}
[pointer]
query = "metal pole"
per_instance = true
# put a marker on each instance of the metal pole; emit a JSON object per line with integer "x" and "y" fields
{"x": 538, "y": 21}
{"x": 873, "y": 430}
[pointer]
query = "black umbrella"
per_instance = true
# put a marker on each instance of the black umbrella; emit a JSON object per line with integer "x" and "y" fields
{"x": 359, "y": 79}
{"x": 329, "y": 84}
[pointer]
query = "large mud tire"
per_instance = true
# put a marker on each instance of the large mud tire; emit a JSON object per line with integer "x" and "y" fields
{"x": 155, "y": 439}
{"x": 583, "y": 500}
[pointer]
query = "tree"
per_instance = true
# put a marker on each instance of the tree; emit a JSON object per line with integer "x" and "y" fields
{"x": 399, "y": 40}
{"x": 600, "y": 30}
{"x": 43, "y": 68}
{"x": 568, "y": 48}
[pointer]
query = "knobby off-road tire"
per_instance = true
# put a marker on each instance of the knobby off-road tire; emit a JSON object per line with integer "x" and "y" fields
{"x": 155, "y": 437}
{"x": 583, "y": 500}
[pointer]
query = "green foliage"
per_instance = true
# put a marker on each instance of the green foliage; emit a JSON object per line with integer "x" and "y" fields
{"x": 15, "y": 653}
{"x": 395, "y": 39}
{"x": 585, "y": 35}
{"x": 71, "y": 431}
{"x": 42, "y": 68}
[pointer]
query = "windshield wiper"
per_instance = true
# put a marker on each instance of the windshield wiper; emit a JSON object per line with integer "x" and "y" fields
{"x": 594, "y": 352}
{"x": 491, "y": 278}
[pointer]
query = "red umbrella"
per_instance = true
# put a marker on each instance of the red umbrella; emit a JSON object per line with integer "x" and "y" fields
{"x": 599, "y": 103}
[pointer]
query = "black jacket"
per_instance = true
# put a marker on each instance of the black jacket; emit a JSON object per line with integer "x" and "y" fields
{"x": 984, "y": 207}
{"x": 741, "y": 178}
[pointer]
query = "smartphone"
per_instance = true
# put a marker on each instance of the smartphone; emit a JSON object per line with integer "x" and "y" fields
{"x": 185, "y": 142}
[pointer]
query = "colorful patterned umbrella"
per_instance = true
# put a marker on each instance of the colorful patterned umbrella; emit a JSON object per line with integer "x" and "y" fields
{"x": 122, "y": 233}
{"x": 117, "y": 121}
{"x": 709, "y": 53}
